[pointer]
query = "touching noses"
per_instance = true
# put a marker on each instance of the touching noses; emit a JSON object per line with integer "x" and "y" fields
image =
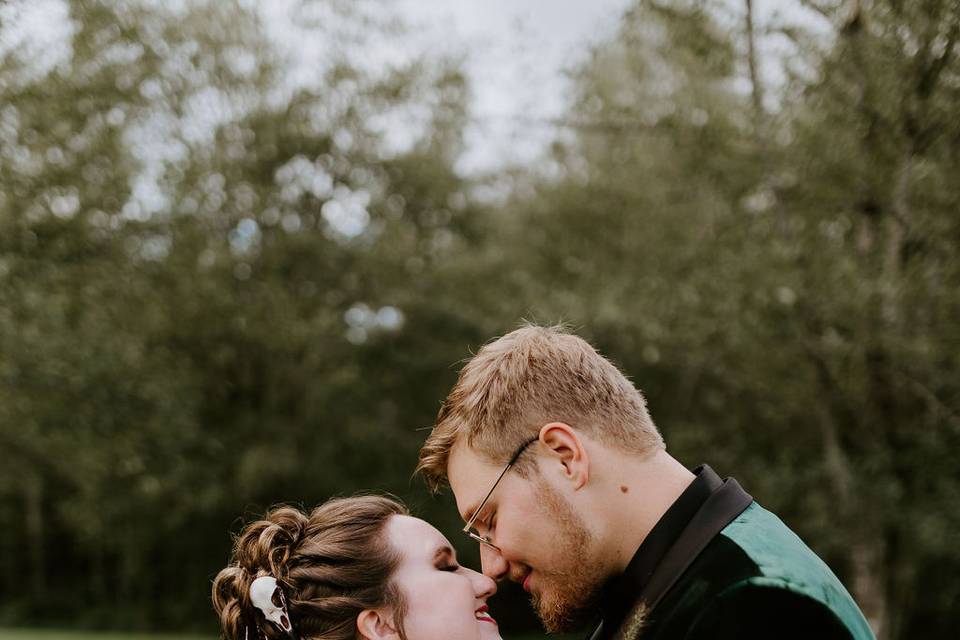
{"x": 492, "y": 563}
{"x": 483, "y": 586}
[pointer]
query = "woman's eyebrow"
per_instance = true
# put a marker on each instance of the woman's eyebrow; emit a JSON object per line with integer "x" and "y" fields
{"x": 445, "y": 550}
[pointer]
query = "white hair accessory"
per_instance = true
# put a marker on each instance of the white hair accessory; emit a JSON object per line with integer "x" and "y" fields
{"x": 262, "y": 592}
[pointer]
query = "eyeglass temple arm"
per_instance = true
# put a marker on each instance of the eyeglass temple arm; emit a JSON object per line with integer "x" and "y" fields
{"x": 473, "y": 518}
{"x": 476, "y": 514}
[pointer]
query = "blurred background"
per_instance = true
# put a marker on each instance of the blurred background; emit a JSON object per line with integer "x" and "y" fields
{"x": 244, "y": 245}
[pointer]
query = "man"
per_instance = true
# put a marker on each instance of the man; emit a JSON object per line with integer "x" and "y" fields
{"x": 563, "y": 479}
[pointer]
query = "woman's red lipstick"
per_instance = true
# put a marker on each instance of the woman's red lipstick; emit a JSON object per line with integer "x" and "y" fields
{"x": 483, "y": 614}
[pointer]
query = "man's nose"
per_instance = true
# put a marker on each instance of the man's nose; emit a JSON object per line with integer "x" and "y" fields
{"x": 492, "y": 563}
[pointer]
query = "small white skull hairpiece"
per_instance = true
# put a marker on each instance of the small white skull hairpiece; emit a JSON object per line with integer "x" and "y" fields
{"x": 266, "y": 595}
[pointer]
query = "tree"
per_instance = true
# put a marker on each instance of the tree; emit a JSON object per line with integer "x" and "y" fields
{"x": 205, "y": 280}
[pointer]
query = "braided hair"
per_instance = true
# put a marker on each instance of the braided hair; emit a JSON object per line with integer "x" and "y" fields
{"x": 331, "y": 565}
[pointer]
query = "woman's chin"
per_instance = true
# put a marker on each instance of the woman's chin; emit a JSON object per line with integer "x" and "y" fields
{"x": 492, "y": 634}
{"x": 489, "y": 631}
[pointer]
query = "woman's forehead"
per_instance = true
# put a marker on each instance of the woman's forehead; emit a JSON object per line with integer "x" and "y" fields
{"x": 415, "y": 536}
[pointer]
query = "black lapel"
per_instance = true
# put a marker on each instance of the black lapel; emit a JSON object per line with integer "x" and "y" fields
{"x": 720, "y": 509}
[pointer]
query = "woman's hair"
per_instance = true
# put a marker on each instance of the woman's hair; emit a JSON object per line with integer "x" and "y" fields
{"x": 331, "y": 564}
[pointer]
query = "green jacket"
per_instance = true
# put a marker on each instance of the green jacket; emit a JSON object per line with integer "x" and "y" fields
{"x": 718, "y": 566}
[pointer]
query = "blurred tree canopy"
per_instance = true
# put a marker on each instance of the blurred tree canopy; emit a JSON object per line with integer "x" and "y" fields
{"x": 220, "y": 289}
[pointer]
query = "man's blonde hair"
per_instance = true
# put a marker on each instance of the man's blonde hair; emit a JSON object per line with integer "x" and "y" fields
{"x": 526, "y": 379}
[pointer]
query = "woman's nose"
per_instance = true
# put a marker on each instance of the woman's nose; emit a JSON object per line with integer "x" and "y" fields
{"x": 483, "y": 586}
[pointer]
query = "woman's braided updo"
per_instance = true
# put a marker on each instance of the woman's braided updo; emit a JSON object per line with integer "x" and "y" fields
{"x": 331, "y": 565}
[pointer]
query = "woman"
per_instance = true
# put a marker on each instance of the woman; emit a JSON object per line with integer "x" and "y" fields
{"x": 358, "y": 567}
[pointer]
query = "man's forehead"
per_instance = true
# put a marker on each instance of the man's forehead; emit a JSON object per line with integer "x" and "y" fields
{"x": 470, "y": 477}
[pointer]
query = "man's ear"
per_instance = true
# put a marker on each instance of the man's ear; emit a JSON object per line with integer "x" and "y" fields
{"x": 568, "y": 451}
{"x": 376, "y": 625}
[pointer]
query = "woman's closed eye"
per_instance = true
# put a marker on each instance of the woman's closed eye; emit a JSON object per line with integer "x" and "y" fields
{"x": 445, "y": 559}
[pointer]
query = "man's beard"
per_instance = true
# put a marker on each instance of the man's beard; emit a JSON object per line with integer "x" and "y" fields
{"x": 575, "y": 583}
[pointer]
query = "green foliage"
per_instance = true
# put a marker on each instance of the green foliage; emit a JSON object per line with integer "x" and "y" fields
{"x": 206, "y": 284}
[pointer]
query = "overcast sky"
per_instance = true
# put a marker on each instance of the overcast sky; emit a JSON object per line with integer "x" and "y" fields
{"x": 517, "y": 50}
{"x": 514, "y": 51}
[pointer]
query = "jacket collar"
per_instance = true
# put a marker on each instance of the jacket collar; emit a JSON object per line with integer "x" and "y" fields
{"x": 621, "y": 592}
{"x": 705, "y": 507}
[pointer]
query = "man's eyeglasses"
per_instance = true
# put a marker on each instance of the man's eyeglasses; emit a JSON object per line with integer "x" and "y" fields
{"x": 468, "y": 529}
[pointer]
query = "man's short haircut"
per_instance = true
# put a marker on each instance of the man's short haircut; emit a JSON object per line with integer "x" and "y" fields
{"x": 528, "y": 378}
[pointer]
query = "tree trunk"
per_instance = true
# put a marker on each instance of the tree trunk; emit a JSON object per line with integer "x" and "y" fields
{"x": 868, "y": 558}
{"x": 879, "y": 246}
{"x": 757, "y": 89}
{"x": 33, "y": 510}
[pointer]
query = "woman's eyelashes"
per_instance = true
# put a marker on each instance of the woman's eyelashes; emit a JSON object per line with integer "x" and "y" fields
{"x": 449, "y": 567}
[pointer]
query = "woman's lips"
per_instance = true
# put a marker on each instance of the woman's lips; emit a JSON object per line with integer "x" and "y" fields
{"x": 483, "y": 615}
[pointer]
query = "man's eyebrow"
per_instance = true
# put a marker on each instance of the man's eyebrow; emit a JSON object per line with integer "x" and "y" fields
{"x": 468, "y": 514}
{"x": 471, "y": 512}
